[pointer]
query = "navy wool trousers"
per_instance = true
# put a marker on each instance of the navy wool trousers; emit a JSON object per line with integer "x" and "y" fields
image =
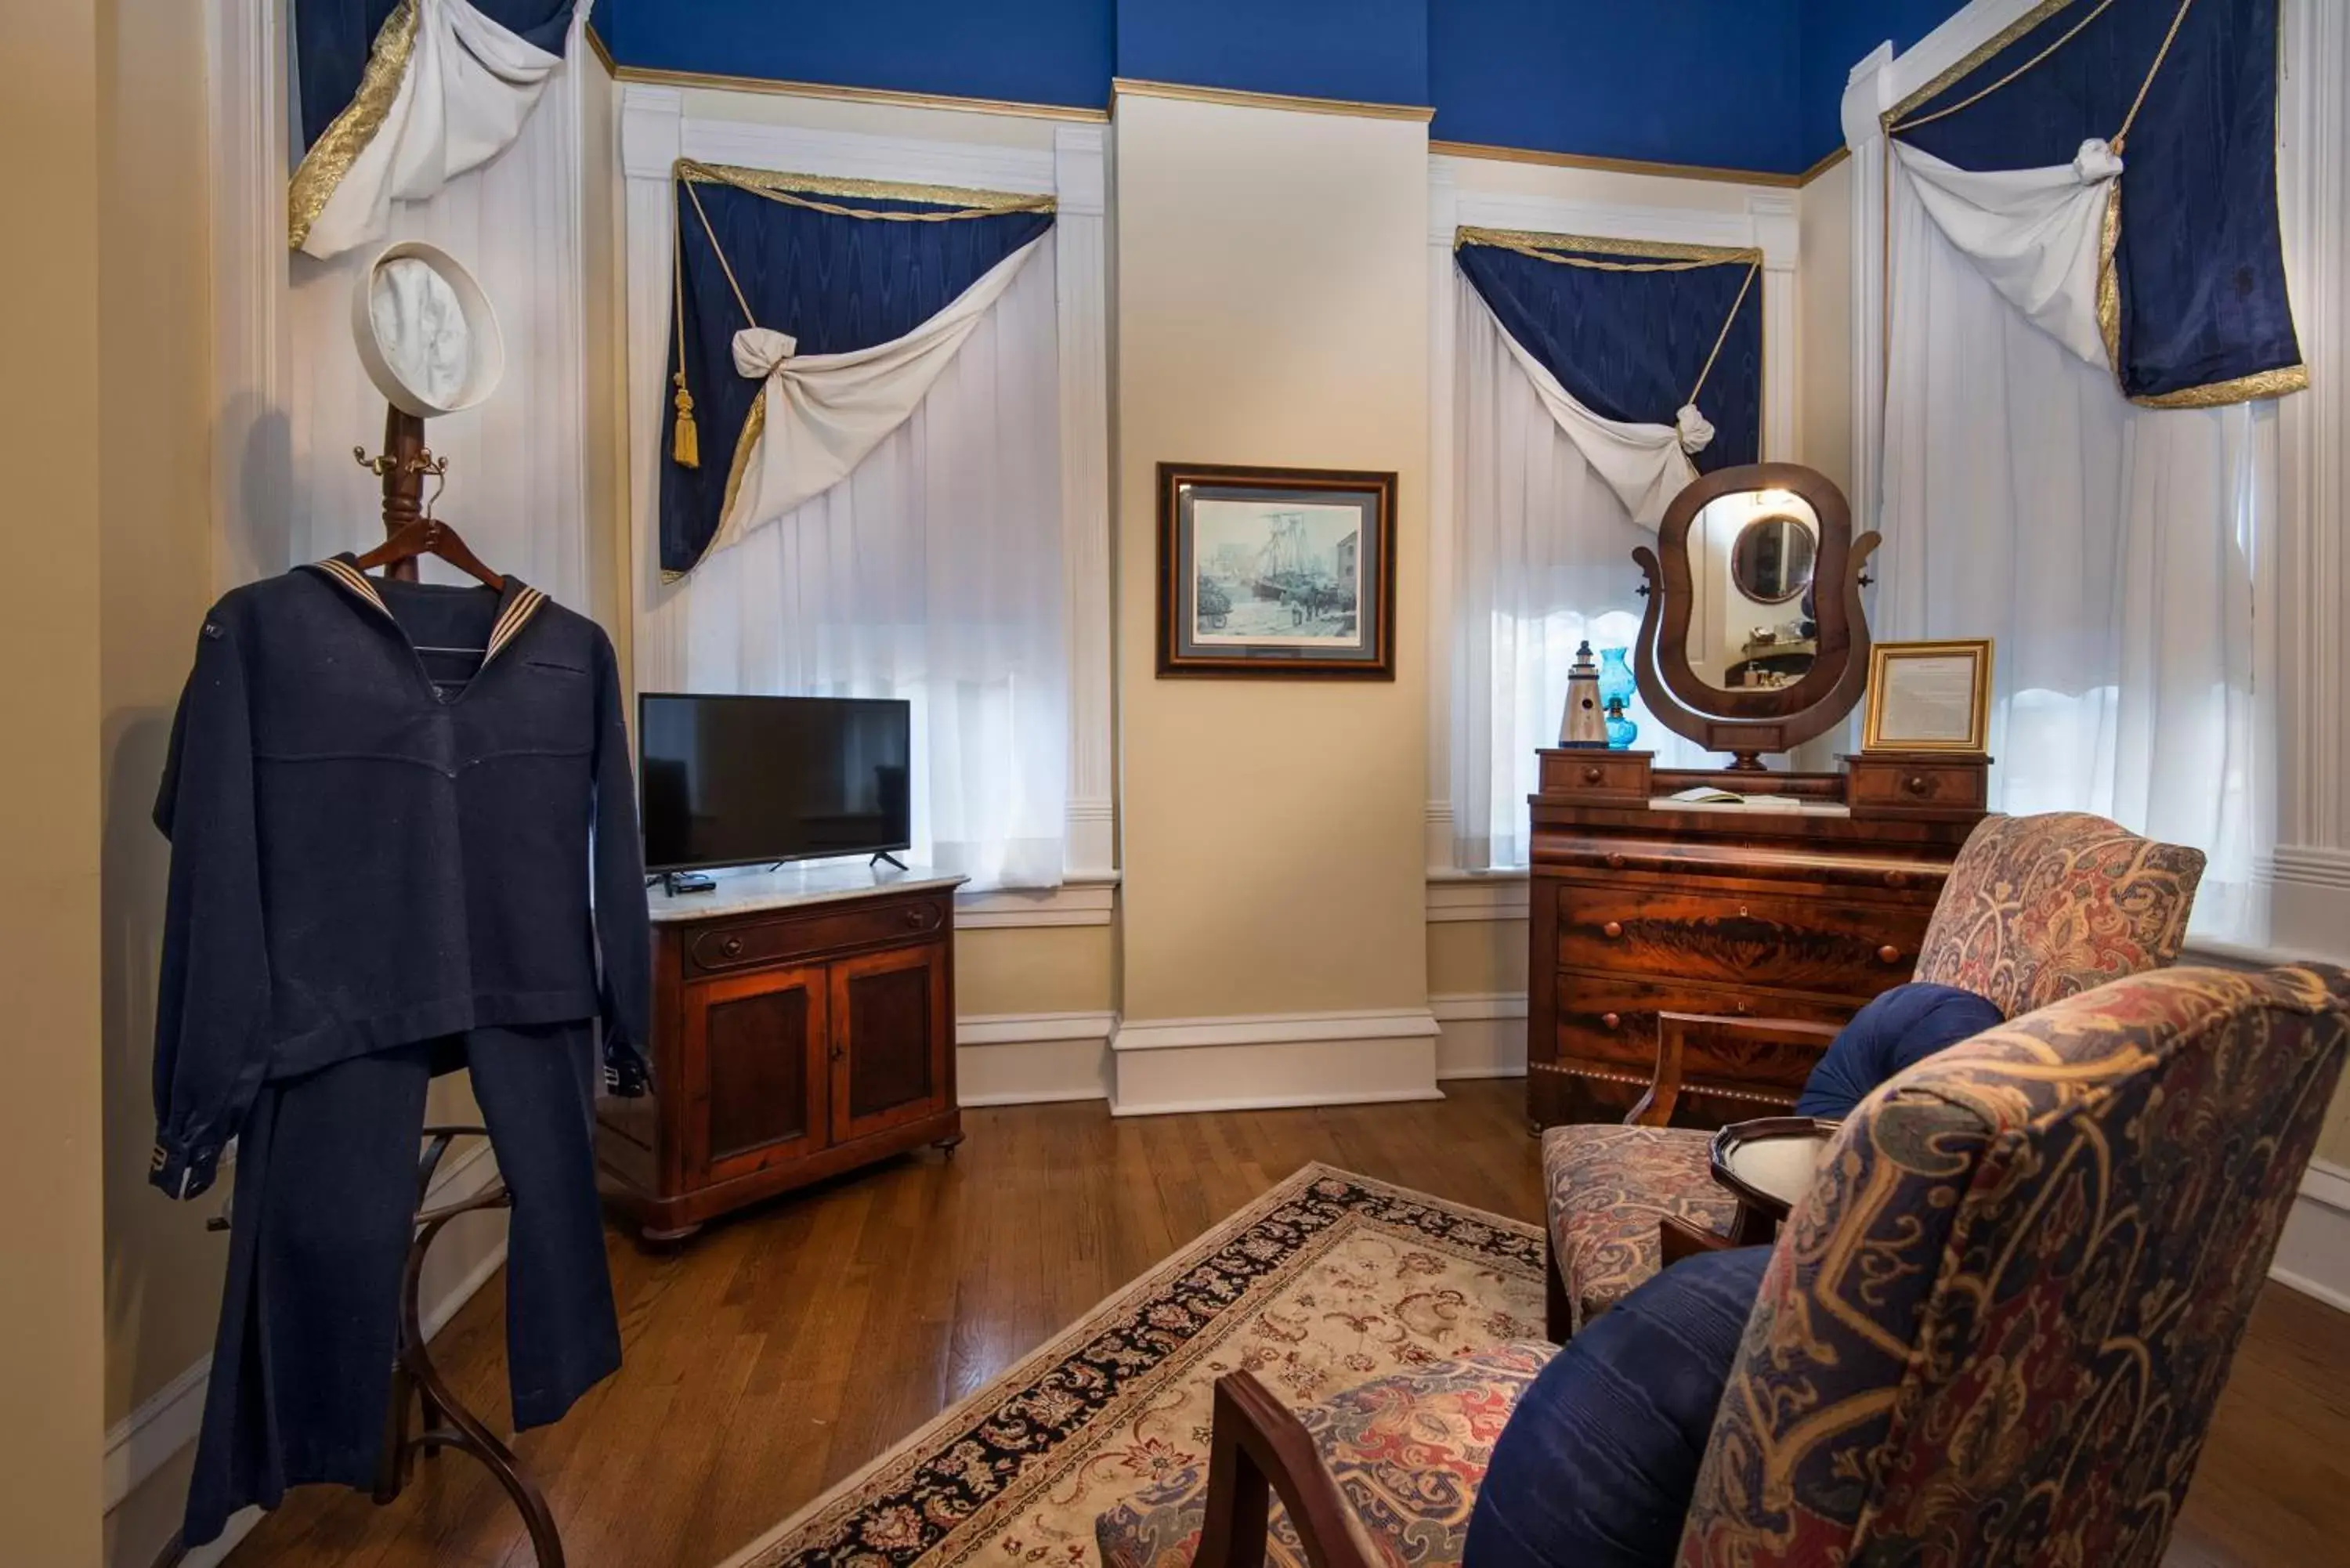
{"x": 325, "y": 1196}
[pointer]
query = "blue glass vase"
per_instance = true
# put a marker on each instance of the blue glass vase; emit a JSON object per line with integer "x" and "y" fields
{"x": 1621, "y": 732}
{"x": 1616, "y": 690}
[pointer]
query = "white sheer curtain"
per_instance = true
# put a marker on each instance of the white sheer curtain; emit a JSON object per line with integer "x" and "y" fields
{"x": 518, "y": 465}
{"x": 932, "y": 573}
{"x": 1542, "y": 560}
{"x": 2118, "y": 556}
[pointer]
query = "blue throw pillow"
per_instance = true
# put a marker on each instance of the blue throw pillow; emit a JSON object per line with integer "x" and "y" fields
{"x": 1901, "y": 1028}
{"x": 1598, "y": 1462}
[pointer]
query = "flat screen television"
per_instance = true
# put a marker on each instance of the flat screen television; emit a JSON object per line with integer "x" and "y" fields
{"x": 737, "y": 781}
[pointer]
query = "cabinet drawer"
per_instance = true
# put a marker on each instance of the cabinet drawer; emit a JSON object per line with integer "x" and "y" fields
{"x": 1608, "y": 1023}
{"x": 1594, "y": 776}
{"x": 1918, "y": 787}
{"x": 1825, "y": 945}
{"x": 733, "y": 946}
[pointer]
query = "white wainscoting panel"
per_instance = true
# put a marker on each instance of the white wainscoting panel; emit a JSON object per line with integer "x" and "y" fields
{"x": 1033, "y": 1058}
{"x": 1483, "y": 1035}
{"x": 2313, "y": 1256}
{"x": 1266, "y": 1061}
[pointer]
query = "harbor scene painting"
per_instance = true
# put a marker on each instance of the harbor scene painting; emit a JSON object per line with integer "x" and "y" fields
{"x": 1275, "y": 572}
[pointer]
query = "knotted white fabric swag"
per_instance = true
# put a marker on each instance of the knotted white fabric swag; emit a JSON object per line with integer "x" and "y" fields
{"x": 820, "y": 415}
{"x": 446, "y": 89}
{"x": 2037, "y": 236}
{"x": 1646, "y": 465}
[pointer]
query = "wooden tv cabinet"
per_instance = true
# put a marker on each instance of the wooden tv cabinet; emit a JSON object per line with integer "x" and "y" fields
{"x": 802, "y": 1026}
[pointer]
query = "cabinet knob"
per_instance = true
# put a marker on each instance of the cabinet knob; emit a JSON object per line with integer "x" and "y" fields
{"x": 1592, "y": 775}
{"x": 1919, "y": 784}
{"x": 1615, "y": 860}
{"x": 1612, "y": 1020}
{"x": 1897, "y": 878}
{"x": 917, "y": 916}
{"x": 1889, "y": 953}
{"x": 1612, "y": 930}
{"x": 731, "y": 947}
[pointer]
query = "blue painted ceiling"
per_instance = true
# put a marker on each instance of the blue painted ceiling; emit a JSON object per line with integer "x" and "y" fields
{"x": 1734, "y": 84}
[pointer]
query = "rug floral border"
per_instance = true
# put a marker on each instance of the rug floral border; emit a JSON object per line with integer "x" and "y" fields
{"x": 970, "y": 1456}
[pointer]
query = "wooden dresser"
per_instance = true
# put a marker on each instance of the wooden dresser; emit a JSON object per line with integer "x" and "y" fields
{"x": 1640, "y": 906}
{"x": 802, "y": 1026}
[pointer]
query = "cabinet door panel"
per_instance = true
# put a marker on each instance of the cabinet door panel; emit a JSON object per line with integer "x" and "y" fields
{"x": 891, "y": 1030}
{"x": 758, "y": 1097}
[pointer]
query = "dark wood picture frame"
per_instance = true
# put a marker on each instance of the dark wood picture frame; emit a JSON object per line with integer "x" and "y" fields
{"x": 1375, "y": 662}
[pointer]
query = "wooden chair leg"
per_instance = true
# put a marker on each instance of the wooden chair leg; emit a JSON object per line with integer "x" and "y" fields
{"x": 1257, "y": 1447}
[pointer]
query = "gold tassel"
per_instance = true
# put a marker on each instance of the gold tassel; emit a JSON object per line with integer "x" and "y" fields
{"x": 685, "y": 442}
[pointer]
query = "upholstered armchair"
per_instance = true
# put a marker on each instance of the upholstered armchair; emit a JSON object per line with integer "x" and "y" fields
{"x": 2036, "y": 909}
{"x": 1993, "y": 1329}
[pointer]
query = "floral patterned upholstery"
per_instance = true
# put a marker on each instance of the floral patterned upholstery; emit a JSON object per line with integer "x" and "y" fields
{"x": 1994, "y": 1329}
{"x": 1408, "y": 1453}
{"x": 1608, "y": 1188}
{"x": 2040, "y": 907}
{"x": 2036, "y": 909}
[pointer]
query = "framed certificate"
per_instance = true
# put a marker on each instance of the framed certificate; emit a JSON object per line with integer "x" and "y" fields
{"x": 1929, "y": 697}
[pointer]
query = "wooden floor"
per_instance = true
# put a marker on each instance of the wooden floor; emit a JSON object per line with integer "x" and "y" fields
{"x": 777, "y": 1353}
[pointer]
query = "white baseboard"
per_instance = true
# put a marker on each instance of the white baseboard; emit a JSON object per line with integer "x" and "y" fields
{"x": 2314, "y": 1255}
{"x": 146, "y": 1440}
{"x": 1033, "y": 1058}
{"x": 1270, "y": 1061}
{"x": 1483, "y": 1034}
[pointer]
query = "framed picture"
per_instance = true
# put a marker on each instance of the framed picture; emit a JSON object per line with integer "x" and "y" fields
{"x": 1929, "y": 697}
{"x": 1276, "y": 571}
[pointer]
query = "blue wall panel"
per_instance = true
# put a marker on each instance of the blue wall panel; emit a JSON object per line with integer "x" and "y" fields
{"x": 1696, "y": 81}
{"x": 1836, "y": 33}
{"x": 1733, "y": 84}
{"x": 1371, "y": 51}
{"x": 1027, "y": 51}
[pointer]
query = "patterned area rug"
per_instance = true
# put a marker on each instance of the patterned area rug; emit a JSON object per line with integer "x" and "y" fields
{"x": 1329, "y": 1279}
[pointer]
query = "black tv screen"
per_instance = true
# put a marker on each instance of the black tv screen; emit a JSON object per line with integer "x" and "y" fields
{"x": 730, "y": 781}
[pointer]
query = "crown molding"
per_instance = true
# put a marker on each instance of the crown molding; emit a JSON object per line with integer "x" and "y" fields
{"x": 1237, "y": 98}
{"x": 1615, "y": 165}
{"x": 1823, "y": 166}
{"x": 718, "y": 82}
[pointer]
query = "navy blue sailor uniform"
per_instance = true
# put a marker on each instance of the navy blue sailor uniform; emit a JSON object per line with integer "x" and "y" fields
{"x": 390, "y": 858}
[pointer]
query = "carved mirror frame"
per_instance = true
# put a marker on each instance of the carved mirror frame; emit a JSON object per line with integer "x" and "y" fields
{"x": 1750, "y": 724}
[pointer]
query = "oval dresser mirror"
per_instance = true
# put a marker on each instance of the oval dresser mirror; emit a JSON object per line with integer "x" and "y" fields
{"x": 1754, "y": 639}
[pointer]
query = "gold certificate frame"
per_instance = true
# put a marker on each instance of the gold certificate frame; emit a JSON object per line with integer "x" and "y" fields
{"x": 1929, "y": 697}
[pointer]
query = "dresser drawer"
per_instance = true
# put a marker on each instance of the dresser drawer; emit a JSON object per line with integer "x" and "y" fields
{"x": 1594, "y": 776}
{"x": 731, "y": 947}
{"x": 1611, "y": 1020}
{"x": 1825, "y": 945}
{"x": 1911, "y": 785}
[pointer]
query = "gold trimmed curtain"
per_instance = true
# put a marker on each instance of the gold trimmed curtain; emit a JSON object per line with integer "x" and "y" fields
{"x": 782, "y": 278}
{"x": 2129, "y": 146}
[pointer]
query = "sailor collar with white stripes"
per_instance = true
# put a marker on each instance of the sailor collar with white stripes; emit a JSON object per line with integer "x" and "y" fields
{"x": 517, "y": 602}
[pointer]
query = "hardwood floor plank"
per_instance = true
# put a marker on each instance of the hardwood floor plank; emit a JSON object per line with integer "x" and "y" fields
{"x": 781, "y": 1351}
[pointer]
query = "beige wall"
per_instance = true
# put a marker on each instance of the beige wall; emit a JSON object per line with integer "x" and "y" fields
{"x": 1270, "y": 307}
{"x": 1477, "y": 958}
{"x": 1036, "y": 969}
{"x": 162, "y": 1270}
{"x": 1824, "y": 315}
{"x": 51, "y": 1337}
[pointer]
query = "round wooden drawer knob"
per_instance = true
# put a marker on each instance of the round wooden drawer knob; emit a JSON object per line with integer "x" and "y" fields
{"x": 1612, "y": 1020}
{"x": 1612, "y": 930}
{"x": 731, "y": 947}
{"x": 917, "y": 917}
{"x": 1615, "y": 861}
{"x": 1889, "y": 953}
{"x": 1919, "y": 784}
{"x": 1592, "y": 775}
{"x": 1897, "y": 878}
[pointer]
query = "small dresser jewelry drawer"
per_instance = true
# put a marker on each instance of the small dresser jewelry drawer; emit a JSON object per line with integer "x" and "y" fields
{"x": 1918, "y": 784}
{"x": 1593, "y": 776}
{"x": 726, "y": 948}
{"x": 1823, "y": 946}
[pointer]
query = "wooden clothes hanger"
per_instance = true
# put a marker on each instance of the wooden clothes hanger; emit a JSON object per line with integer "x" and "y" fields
{"x": 428, "y": 534}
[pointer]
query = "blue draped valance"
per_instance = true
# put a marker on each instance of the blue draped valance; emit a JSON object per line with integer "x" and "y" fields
{"x": 1630, "y": 328}
{"x": 812, "y": 259}
{"x": 2203, "y": 313}
{"x": 332, "y": 39}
